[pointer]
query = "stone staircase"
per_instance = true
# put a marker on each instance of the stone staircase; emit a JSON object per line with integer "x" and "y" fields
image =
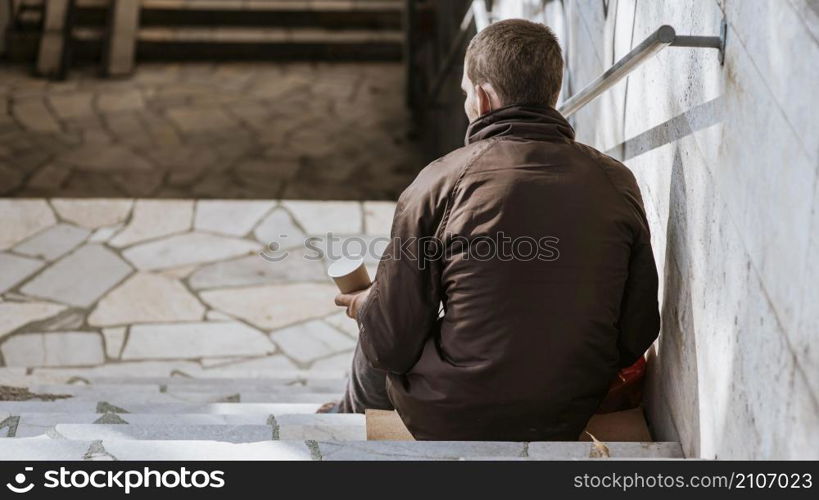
{"x": 272, "y": 29}
{"x": 184, "y": 418}
{"x": 233, "y": 30}
{"x": 155, "y": 330}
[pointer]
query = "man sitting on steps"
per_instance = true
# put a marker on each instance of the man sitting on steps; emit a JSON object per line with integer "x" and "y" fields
{"x": 529, "y": 279}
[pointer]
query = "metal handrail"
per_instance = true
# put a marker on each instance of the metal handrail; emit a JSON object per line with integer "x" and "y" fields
{"x": 665, "y": 36}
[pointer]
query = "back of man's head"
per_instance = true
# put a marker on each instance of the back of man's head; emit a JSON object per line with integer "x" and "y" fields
{"x": 520, "y": 59}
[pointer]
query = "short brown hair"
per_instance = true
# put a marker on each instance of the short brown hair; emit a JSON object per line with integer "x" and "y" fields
{"x": 520, "y": 59}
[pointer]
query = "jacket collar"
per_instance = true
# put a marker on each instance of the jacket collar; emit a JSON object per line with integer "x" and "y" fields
{"x": 527, "y": 122}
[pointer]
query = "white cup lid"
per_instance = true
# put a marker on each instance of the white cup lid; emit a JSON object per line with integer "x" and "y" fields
{"x": 344, "y": 266}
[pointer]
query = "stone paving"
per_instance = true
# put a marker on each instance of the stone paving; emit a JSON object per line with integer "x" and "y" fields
{"x": 155, "y": 287}
{"x": 39, "y": 448}
{"x": 318, "y": 131}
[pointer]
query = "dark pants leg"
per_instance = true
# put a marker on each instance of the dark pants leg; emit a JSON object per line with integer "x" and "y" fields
{"x": 367, "y": 388}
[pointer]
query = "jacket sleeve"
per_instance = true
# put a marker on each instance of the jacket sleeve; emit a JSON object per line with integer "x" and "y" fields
{"x": 402, "y": 309}
{"x": 639, "y": 312}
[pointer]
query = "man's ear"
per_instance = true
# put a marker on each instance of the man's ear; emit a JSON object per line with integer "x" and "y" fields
{"x": 483, "y": 100}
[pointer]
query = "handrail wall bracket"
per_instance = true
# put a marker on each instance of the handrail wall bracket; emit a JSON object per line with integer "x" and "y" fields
{"x": 663, "y": 37}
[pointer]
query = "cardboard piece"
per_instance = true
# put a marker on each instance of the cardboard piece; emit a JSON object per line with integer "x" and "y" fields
{"x": 628, "y": 426}
{"x": 620, "y": 426}
{"x": 384, "y": 425}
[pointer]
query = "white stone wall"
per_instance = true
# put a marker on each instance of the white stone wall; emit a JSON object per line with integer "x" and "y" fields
{"x": 726, "y": 157}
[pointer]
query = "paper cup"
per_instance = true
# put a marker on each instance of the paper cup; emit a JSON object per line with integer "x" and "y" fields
{"x": 350, "y": 274}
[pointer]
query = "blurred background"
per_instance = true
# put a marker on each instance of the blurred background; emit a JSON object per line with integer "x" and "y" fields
{"x": 129, "y": 130}
{"x": 207, "y": 98}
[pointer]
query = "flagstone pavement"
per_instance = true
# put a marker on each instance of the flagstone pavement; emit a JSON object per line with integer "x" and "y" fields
{"x": 155, "y": 287}
{"x": 320, "y": 131}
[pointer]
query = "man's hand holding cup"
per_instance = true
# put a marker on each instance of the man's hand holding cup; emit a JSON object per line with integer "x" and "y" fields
{"x": 353, "y": 282}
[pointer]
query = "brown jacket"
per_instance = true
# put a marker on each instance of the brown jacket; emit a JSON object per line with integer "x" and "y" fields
{"x": 481, "y": 346}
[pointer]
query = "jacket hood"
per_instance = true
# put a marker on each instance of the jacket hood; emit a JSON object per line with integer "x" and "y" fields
{"x": 527, "y": 122}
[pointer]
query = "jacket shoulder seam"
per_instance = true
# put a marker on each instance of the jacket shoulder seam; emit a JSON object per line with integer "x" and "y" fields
{"x": 461, "y": 175}
{"x": 621, "y": 192}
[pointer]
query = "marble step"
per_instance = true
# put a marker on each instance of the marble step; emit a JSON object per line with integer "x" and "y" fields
{"x": 207, "y": 10}
{"x": 232, "y": 428}
{"x": 185, "y": 432}
{"x": 374, "y": 14}
{"x": 384, "y": 14}
{"x": 254, "y": 5}
{"x": 330, "y": 427}
{"x": 252, "y": 35}
{"x": 44, "y": 448}
{"x": 164, "y": 408}
{"x": 338, "y": 381}
{"x": 124, "y": 397}
{"x": 248, "y": 30}
{"x": 258, "y": 5}
{"x": 284, "y": 378}
{"x": 130, "y": 373}
{"x": 253, "y": 43}
{"x": 267, "y": 35}
{"x": 224, "y": 387}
